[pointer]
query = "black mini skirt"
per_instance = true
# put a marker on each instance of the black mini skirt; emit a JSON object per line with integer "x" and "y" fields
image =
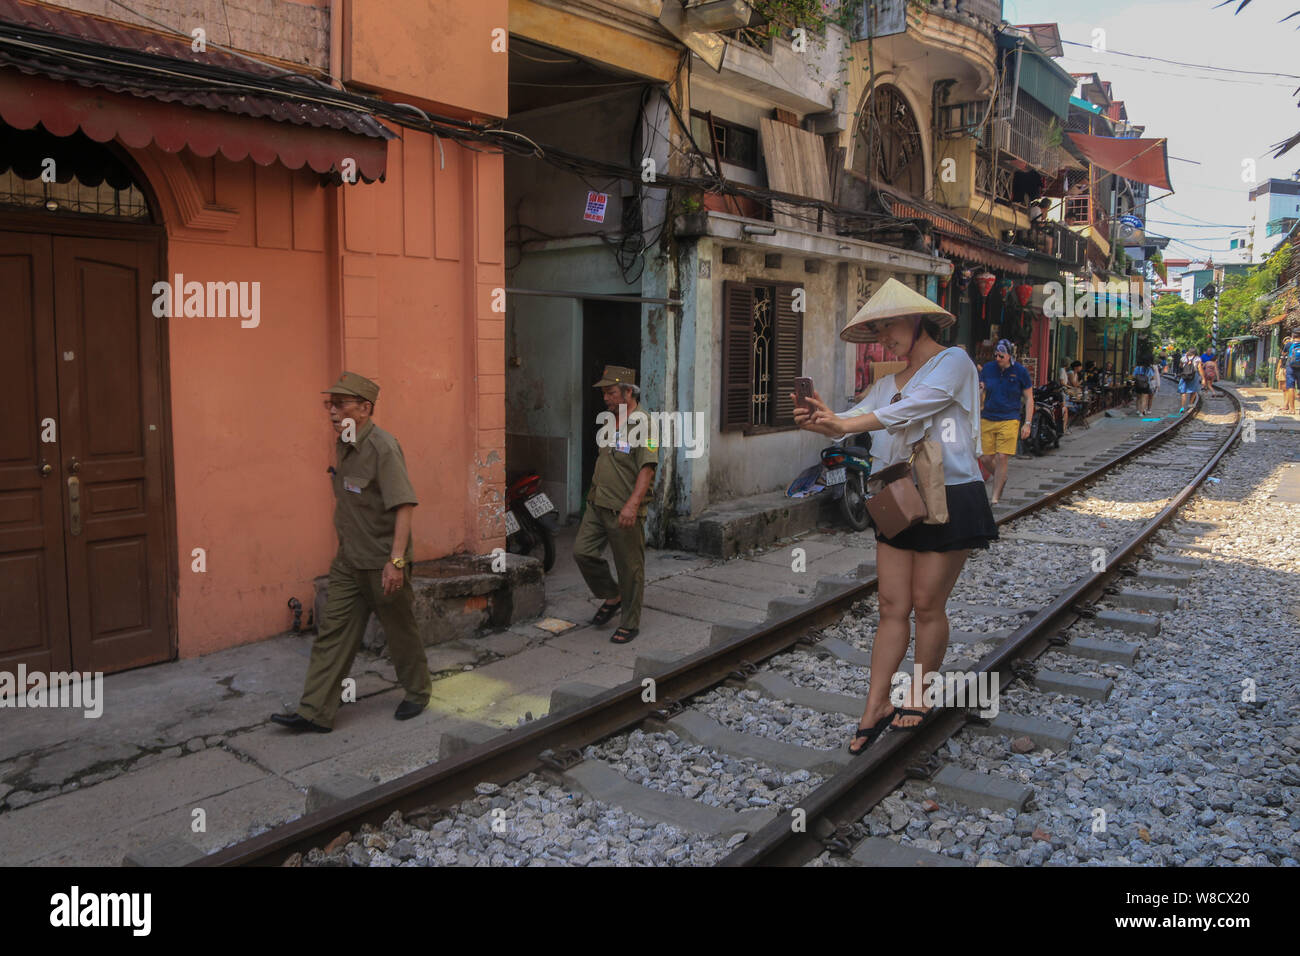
{"x": 970, "y": 524}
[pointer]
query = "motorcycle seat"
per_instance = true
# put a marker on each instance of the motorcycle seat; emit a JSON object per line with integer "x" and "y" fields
{"x": 857, "y": 451}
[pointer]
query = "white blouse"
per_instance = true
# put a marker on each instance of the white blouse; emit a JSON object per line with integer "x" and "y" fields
{"x": 941, "y": 402}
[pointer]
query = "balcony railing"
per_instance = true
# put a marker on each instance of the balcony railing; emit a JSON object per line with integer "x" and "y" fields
{"x": 1030, "y": 137}
{"x": 1053, "y": 239}
{"x": 985, "y": 9}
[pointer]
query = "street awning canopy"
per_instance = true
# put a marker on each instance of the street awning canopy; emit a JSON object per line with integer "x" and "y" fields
{"x": 68, "y": 72}
{"x": 1141, "y": 160}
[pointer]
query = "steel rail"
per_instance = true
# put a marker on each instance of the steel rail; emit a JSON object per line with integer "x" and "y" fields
{"x": 852, "y": 792}
{"x": 518, "y": 752}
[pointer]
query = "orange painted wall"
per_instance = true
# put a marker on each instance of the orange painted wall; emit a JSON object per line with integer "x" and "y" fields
{"x": 436, "y": 53}
{"x": 392, "y": 280}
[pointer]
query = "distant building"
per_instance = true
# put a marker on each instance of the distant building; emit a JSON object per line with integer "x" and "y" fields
{"x": 1276, "y": 209}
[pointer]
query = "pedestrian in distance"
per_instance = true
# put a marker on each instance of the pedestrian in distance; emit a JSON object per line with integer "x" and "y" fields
{"x": 1004, "y": 384}
{"x": 1188, "y": 380}
{"x": 936, "y": 396}
{"x": 1143, "y": 375}
{"x": 1209, "y": 370}
{"x": 626, "y": 459}
{"x": 371, "y": 572}
{"x": 1290, "y": 371}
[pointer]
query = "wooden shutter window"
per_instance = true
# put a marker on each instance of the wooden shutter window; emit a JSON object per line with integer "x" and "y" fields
{"x": 737, "y": 355}
{"x": 789, "y": 353}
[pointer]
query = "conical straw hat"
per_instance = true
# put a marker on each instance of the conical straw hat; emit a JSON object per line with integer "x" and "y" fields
{"x": 893, "y": 300}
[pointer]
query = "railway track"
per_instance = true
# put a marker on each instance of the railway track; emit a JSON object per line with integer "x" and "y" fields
{"x": 673, "y": 751}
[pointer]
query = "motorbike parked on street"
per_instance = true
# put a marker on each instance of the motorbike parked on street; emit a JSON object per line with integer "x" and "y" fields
{"x": 531, "y": 519}
{"x": 842, "y": 471}
{"x": 1048, "y": 424}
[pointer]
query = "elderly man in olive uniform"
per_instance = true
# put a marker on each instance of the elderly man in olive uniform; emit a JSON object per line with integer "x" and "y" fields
{"x": 372, "y": 569}
{"x": 625, "y": 462}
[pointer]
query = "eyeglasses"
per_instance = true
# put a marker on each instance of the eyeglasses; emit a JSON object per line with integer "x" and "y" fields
{"x": 330, "y": 403}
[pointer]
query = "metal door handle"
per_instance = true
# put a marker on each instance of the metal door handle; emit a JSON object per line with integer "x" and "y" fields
{"x": 46, "y": 469}
{"x": 74, "y": 502}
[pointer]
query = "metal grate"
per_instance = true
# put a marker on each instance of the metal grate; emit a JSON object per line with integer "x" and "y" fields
{"x": 764, "y": 334}
{"x": 73, "y": 196}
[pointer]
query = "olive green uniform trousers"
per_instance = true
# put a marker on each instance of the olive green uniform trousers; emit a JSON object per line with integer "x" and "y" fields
{"x": 600, "y": 527}
{"x": 353, "y": 594}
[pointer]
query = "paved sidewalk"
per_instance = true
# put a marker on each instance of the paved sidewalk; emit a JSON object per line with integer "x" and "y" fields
{"x": 195, "y": 734}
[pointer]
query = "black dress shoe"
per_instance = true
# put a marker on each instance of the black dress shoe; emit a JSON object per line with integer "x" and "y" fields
{"x": 299, "y": 723}
{"x": 406, "y": 710}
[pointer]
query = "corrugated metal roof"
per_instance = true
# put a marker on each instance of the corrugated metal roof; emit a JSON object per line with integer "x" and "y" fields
{"x": 105, "y": 54}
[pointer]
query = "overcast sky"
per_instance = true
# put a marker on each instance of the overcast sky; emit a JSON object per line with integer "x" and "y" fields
{"x": 1217, "y": 119}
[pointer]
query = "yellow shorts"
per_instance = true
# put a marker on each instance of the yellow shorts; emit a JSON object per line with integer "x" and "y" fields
{"x": 999, "y": 438}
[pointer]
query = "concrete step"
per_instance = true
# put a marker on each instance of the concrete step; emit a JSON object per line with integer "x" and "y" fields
{"x": 732, "y": 528}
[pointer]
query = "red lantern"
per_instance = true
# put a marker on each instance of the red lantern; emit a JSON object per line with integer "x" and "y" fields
{"x": 1023, "y": 293}
{"x": 943, "y": 295}
{"x": 984, "y": 282}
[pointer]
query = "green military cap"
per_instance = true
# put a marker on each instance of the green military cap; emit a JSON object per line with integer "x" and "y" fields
{"x": 350, "y": 383}
{"x": 616, "y": 375}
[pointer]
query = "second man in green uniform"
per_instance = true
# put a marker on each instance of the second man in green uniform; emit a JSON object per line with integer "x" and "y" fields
{"x": 616, "y": 505}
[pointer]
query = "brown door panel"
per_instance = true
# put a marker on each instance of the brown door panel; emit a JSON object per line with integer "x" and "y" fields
{"x": 111, "y": 470}
{"x": 33, "y": 584}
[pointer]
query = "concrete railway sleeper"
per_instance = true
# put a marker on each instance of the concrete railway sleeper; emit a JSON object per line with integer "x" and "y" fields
{"x": 727, "y": 762}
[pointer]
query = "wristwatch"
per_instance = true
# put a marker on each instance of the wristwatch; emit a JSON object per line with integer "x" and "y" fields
{"x": 398, "y": 563}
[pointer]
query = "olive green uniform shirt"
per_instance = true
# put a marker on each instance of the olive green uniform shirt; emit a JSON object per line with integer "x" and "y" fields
{"x": 370, "y": 481}
{"x": 618, "y": 464}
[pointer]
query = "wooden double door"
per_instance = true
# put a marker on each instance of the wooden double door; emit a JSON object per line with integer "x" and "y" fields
{"x": 84, "y": 502}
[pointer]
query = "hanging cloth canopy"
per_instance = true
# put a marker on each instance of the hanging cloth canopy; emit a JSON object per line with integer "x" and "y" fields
{"x": 1141, "y": 160}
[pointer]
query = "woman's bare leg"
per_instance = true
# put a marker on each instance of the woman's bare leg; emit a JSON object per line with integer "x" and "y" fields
{"x": 893, "y": 632}
{"x": 933, "y": 575}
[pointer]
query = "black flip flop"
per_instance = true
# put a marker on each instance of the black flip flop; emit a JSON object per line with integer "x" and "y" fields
{"x": 907, "y": 712}
{"x": 606, "y": 612}
{"x": 871, "y": 733}
{"x": 627, "y": 632}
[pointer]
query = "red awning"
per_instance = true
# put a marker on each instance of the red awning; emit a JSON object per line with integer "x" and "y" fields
{"x": 1141, "y": 160}
{"x": 63, "y": 108}
{"x": 68, "y": 70}
{"x": 983, "y": 255}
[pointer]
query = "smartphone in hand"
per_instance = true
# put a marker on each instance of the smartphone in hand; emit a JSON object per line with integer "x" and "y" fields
{"x": 803, "y": 390}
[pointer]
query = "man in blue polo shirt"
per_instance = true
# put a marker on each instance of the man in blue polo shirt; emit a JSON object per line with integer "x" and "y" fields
{"x": 1003, "y": 383}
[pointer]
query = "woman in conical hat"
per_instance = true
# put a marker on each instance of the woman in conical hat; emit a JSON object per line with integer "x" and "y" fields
{"x": 936, "y": 396}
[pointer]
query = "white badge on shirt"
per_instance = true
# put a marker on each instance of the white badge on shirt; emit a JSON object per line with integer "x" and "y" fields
{"x": 351, "y": 486}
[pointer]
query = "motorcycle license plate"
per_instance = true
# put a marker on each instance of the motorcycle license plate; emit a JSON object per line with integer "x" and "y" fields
{"x": 512, "y": 523}
{"x": 835, "y": 476}
{"x": 539, "y": 505}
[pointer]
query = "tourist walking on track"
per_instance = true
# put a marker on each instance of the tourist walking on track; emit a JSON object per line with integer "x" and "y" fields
{"x": 1004, "y": 384}
{"x": 1144, "y": 373}
{"x": 1188, "y": 381}
{"x": 935, "y": 397}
